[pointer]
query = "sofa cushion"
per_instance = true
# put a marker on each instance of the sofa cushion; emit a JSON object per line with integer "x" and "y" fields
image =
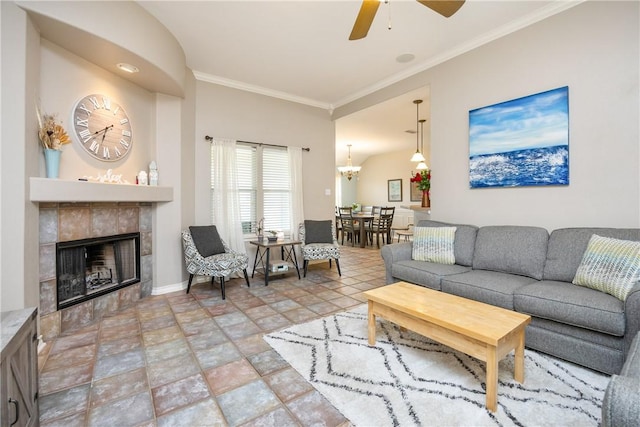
{"x": 424, "y": 273}
{"x": 567, "y": 246}
{"x": 609, "y": 265}
{"x": 318, "y": 231}
{"x": 207, "y": 240}
{"x": 572, "y": 305}
{"x": 434, "y": 244}
{"x": 464, "y": 241}
{"x": 511, "y": 249}
{"x": 490, "y": 287}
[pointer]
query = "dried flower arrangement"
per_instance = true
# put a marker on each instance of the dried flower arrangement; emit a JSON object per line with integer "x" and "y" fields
{"x": 52, "y": 135}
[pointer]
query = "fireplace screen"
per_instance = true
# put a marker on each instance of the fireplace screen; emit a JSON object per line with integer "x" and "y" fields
{"x": 91, "y": 267}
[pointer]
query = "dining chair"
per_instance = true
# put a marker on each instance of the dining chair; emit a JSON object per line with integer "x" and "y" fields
{"x": 381, "y": 224}
{"x": 206, "y": 254}
{"x": 350, "y": 226}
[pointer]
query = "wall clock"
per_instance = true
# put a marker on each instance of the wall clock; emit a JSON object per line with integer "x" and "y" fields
{"x": 102, "y": 127}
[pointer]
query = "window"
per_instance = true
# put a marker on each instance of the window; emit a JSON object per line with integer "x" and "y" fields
{"x": 263, "y": 187}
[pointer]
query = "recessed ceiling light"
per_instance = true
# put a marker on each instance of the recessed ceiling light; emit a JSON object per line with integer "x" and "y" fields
{"x": 128, "y": 67}
{"x": 405, "y": 57}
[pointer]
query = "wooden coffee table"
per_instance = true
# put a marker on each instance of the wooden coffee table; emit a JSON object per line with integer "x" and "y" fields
{"x": 483, "y": 331}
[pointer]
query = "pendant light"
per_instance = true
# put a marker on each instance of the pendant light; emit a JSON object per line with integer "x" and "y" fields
{"x": 422, "y": 165}
{"x": 417, "y": 156}
{"x": 349, "y": 171}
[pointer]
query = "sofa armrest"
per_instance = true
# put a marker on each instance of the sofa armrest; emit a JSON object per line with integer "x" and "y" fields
{"x": 632, "y": 317}
{"x": 394, "y": 253}
{"x": 620, "y": 404}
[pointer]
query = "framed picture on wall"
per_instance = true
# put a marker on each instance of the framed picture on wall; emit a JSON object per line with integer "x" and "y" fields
{"x": 416, "y": 193}
{"x": 521, "y": 142}
{"x": 394, "y": 190}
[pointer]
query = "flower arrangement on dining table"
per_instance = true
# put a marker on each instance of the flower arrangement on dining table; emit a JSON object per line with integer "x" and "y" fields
{"x": 51, "y": 133}
{"x": 423, "y": 179}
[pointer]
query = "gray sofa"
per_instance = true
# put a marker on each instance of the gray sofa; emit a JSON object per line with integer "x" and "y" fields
{"x": 620, "y": 404}
{"x": 528, "y": 270}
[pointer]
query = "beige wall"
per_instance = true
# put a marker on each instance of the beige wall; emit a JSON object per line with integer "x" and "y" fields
{"x": 601, "y": 69}
{"x": 222, "y": 112}
{"x": 377, "y": 170}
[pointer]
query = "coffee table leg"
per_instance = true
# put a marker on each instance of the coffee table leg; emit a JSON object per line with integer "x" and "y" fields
{"x": 371, "y": 324}
{"x": 518, "y": 369}
{"x": 492, "y": 379}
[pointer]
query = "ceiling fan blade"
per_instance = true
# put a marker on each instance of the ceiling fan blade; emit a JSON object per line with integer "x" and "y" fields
{"x": 445, "y": 8}
{"x": 365, "y": 17}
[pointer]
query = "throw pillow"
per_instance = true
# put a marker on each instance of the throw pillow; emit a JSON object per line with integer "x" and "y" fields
{"x": 434, "y": 244}
{"x": 609, "y": 265}
{"x": 207, "y": 240}
{"x": 317, "y": 232}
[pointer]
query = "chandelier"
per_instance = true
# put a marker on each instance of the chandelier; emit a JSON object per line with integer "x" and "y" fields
{"x": 417, "y": 156}
{"x": 349, "y": 171}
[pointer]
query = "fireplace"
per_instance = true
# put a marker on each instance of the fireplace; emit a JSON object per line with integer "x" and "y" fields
{"x": 88, "y": 268}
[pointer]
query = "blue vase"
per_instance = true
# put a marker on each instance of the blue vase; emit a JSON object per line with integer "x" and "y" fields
{"x": 52, "y": 162}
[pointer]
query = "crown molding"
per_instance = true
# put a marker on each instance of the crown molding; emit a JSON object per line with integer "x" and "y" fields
{"x": 235, "y": 84}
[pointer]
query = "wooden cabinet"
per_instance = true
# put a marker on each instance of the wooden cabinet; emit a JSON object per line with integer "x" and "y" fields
{"x": 19, "y": 368}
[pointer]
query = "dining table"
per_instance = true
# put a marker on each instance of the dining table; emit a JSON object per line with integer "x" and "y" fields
{"x": 364, "y": 218}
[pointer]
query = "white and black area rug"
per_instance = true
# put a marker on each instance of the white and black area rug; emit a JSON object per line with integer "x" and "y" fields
{"x": 408, "y": 380}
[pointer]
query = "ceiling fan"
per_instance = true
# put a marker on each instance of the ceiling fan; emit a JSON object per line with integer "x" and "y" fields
{"x": 369, "y": 8}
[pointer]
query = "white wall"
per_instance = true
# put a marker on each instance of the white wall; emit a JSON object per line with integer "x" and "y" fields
{"x": 594, "y": 49}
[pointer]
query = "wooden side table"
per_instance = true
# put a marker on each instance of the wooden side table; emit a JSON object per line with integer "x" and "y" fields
{"x": 264, "y": 263}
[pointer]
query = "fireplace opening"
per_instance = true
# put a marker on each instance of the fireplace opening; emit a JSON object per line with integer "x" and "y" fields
{"x": 88, "y": 268}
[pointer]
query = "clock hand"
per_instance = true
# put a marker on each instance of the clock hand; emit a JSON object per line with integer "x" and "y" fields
{"x": 103, "y": 130}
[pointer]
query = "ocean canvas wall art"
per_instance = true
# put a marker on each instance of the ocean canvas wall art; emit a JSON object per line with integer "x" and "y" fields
{"x": 521, "y": 142}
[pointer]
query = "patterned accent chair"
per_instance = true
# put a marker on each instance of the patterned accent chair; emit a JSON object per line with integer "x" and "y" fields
{"x": 220, "y": 264}
{"x": 317, "y": 242}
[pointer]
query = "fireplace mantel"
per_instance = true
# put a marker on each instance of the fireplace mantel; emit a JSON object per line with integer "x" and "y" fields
{"x": 61, "y": 190}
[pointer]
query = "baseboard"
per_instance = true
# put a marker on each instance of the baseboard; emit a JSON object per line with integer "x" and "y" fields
{"x": 166, "y": 289}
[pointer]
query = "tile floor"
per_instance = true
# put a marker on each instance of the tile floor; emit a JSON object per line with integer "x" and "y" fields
{"x": 198, "y": 360}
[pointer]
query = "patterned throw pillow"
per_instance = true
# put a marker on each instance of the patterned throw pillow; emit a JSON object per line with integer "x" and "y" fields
{"x": 609, "y": 265}
{"x": 434, "y": 244}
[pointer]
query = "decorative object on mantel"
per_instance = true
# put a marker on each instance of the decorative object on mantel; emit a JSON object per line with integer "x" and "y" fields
{"x": 52, "y": 136}
{"x": 109, "y": 177}
{"x": 141, "y": 179}
{"x": 423, "y": 180}
{"x": 153, "y": 173}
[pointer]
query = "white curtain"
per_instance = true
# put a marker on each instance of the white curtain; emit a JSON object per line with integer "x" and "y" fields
{"x": 226, "y": 204}
{"x": 297, "y": 207}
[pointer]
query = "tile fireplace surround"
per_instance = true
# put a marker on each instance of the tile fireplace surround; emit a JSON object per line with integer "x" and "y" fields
{"x": 61, "y": 222}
